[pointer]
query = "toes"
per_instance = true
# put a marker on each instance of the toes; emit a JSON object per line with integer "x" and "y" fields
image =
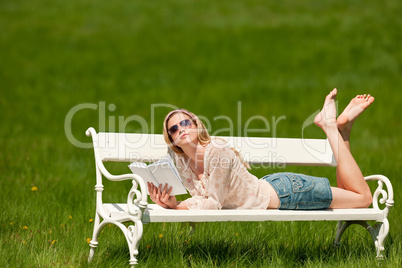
{"x": 333, "y": 93}
{"x": 369, "y": 98}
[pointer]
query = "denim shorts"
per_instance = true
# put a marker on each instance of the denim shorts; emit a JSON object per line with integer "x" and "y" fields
{"x": 298, "y": 191}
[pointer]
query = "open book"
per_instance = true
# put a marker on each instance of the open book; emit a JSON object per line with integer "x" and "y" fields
{"x": 160, "y": 172}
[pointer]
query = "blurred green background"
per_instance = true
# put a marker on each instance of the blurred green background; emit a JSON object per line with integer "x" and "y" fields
{"x": 271, "y": 58}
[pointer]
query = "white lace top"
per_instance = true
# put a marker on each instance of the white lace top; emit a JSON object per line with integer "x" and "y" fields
{"x": 225, "y": 184}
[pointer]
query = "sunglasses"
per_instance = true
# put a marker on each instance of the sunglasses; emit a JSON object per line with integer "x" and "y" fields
{"x": 186, "y": 123}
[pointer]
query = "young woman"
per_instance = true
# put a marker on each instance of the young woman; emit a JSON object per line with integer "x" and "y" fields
{"x": 217, "y": 178}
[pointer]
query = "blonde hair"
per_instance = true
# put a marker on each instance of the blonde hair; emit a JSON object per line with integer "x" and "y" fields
{"x": 203, "y": 135}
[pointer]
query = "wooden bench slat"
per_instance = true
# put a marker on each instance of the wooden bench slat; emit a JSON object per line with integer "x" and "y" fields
{"x": 255, "y": 150}
{"x": 155, "y": 213}
{"x": 131, "y": 147}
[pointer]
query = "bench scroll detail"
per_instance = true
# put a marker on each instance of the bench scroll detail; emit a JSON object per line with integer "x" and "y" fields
{"x": 381, "y": 229}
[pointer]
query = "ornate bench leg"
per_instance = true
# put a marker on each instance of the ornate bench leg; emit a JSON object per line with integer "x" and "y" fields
{"x": 340, "y": 228}
{"x": 94, "y": 242}
{"x": 93, "y": 245}
{"x": 134, "y": 235}
{"x": 379, "y": 232}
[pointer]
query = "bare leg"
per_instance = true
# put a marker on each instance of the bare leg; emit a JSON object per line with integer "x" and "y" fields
{"x": 345, "y": 121}
{"x": 356, "y": 192}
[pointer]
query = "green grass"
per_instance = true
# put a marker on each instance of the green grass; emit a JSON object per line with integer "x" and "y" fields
{"x": 276, "y": 59}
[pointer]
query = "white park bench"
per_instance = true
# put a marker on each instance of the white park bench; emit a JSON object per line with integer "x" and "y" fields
{"x": 263, "y": 151}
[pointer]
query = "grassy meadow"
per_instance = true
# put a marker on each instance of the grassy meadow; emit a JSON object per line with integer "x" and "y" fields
{"x": 118, "y": 64}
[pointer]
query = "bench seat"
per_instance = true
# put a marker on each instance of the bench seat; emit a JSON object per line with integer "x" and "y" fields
{"x": 155, "y": 213}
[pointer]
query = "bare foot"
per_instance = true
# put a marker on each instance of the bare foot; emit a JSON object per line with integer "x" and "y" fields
{"x": 356, "y": 106}
{"x": 327, "y": 116}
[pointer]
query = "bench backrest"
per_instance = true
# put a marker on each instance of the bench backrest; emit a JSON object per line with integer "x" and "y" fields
{"x": 151, "y": 147}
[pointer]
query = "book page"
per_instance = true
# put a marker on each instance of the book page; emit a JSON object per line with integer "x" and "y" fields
{"x": 141, "y": 169}
{"x": 165, "y": 172}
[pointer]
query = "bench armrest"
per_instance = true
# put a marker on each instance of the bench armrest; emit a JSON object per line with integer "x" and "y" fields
{"x": 138, "y": 192}
{"x": 386, "y": 195}
{"x": 137, "y": 197}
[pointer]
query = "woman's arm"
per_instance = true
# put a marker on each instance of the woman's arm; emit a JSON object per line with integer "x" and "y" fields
{"x": 182, "y": 205}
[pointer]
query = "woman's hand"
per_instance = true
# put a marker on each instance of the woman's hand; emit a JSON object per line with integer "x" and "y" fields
{"x": 161, "y": 196}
